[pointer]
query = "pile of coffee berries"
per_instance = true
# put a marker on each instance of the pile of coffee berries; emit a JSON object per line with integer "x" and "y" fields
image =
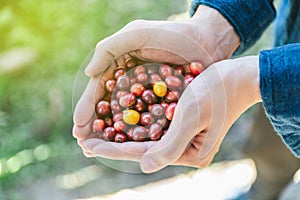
{"x": 140, "y": 100}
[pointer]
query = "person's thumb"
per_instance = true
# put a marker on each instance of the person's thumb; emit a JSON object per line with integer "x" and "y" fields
{"x": 183, "y": 128}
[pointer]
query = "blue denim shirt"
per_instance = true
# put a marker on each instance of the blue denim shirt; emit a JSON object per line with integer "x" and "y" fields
{"x": 280, "y": 90}
{"x": 279, "y": 67}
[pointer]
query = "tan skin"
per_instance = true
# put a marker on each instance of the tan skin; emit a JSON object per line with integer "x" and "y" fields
{"x": 213, "y": 38}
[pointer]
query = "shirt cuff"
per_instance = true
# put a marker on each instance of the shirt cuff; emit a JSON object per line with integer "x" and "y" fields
{"x": 249, "y": 18}
{"x": 280, "y": 91}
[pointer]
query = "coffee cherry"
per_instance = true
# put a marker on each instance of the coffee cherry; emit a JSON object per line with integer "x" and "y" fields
{"x": 120, "y": 126}
{"x": 154, "y": 78}
{"x": 115, "y": 106}
{"x": 121, "y": 93}
{"x": 123, "y": 82}
{"x": 170, "y": 111}
{"x": 165, "y": 71}
{"x": 149, "y": 97}
{"x": 137, "y": 89}
{"x": 98, "y": 125}
{"x": 142, "y": 78}
{"x": 131, "y": 117}
{"x": 110, "y": 85}
{"x": 179, "y": 71}
{"x": 129, "y": 134}
{"x": 157, "y": 110}
{"x": 163, "y": 122}
{"x": 196, "y": 68}
{"x": 103, "y": 108}
{"x": 120, "y": 137}
{"x": 173, "y": 82}
{"x": 108, "y": 121}
{"x": 172, "y": 96}
{"x": 164, "y": 104}
{"x": 127, "y": 100}
{"x": 118, "y": 73}
{"x": 140, "y": 105}
{"x": 155, "y": 131}
{"x": 160, "y": 88}
{"x": 139, "y": 133}
{"x": 130, "y": 63}
{"x": 109, "y": 134}
{"x": 146, "y": 119}
{"x": 117, "y": 116}
{"x": 139, "y": 69}
{"x": 188, "y": 78}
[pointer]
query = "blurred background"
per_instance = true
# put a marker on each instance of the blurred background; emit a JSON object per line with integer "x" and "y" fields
{"x": 42, "y": 46}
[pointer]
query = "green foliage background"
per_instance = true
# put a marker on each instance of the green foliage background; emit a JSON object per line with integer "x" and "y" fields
{"x": 36, "y": 100}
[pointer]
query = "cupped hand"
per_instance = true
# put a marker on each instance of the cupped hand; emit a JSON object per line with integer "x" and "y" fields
{"x": 205, "y": 112}
{"x": 207, "y": 37}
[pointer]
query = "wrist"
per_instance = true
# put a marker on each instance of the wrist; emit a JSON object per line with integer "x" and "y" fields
{"x": 218, "y": 31}
{"x": 248, "y": 74}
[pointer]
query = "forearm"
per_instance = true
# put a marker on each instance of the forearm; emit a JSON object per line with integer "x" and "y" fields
{"x": 249, "y": 18}
{"x": 280, "y": 91}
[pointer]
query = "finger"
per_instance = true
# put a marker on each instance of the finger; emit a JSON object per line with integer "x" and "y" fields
{"x": 150, "y": 35}
{"x": 120, "y": 151}
{"x": 183, "y": 128}
{"x": 112, "y": 48}
{"x": 82, "y": 132}
{"x": 121, "y": 62}
{"x": 218, "y": 114}
{"x": 191, "y": 157}
{"x": 85, "y": 108}
{"x": 130, "y": 63}
{"x": 87, "y": 154}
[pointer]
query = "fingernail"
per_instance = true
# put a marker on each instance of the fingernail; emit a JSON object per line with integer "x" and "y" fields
{"x": 148, "y": 165}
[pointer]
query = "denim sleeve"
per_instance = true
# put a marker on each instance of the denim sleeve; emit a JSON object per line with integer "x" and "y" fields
{"x": 249, "y": 18}
{"x": 280, "y": 91}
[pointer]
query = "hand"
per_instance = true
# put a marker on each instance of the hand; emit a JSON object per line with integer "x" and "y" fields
{"x": 205, "y": 112}
{"x": 206, "y": 37}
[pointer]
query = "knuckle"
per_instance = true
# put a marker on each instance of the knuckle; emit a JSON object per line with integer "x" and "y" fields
{"x": 136, "y": 24}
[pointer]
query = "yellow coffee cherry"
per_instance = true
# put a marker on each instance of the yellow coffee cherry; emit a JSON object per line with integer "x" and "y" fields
{"x": 131, "y": 117}
{"x": 160, "y": 88}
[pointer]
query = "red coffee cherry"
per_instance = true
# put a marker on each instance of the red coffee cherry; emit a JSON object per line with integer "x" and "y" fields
{"x": 170, "y": 111}
{"x": 120, "y": 137}
{"x": 173, "y": 82}
{"x": 146, "y": 119}
{"x": 127, "y": 100}
{"x": 137, "y": 89}
{"x": 98, "y": 125}
{"x": 139, "y": 133}
{"x": 157, "y": 110}
{"x": 109, "y": 134}
{"x": 103, "y": 108}
{"x": 155, "y": 131}
{"x": 196, "y": 68}
{"x": 110, "y": 85}
{"x": 165, "y": 70}
{"x": 149, "y": 97}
